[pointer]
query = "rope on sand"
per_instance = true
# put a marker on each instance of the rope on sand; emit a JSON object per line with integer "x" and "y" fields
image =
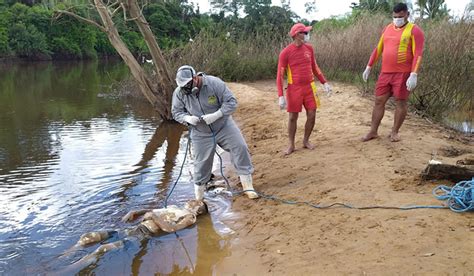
{"x": 459, "y": 198}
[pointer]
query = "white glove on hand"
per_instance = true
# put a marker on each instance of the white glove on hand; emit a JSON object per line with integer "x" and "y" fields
{"x": 365, "y": 75}
{"x": 282, "y": 102}
{"x": 192, "y": 120}
{"x": 411, "y": 81}
{"x": 327, "y": 88}
{"x": 211, "y": 118}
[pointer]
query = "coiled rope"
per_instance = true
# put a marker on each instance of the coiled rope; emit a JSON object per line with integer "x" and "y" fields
{"x": 460, "y": 197}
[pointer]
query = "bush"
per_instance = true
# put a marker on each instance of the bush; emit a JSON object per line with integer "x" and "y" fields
{"x": 27, "y": 41}
{"x": 62, "y": 46}
{"x": 4, "y": 49}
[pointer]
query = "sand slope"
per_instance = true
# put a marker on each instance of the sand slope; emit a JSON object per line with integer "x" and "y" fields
{"x": 278, "y": 239}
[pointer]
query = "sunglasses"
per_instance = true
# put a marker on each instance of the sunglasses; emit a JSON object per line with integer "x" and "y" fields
{"x": 305, "y": 33}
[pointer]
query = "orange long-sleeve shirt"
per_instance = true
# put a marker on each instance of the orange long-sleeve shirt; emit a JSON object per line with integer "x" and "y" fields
{"x": 401, "y": 49}
{"x": 299, "y": 64}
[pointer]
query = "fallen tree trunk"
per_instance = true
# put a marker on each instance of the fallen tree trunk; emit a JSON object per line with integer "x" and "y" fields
{"x": 454, "y": 173}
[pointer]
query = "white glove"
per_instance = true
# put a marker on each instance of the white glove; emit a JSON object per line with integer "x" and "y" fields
{"x": 411, "y": 81}
{"x": 192, "y": 120}
{"x": 282, "y": 102}
{"x": 211, "y": 118}
{"x": 327, "y": 88}
{"x": 365, "y": 75}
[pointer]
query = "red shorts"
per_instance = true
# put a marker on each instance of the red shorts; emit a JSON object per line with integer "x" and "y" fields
{"x": 299, "y": 95}
{"x": 393, "y": 83}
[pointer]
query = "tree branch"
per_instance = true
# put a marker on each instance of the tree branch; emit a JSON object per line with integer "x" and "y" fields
{"x": 111, "y": 6}
{"x": 80, "y": 18}
{"x": 124, "y": 11}
{"x": 137, "y": 17}
{"x": 115, "y": 11}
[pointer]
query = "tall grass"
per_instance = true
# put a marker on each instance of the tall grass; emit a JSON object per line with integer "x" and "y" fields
{"x": 343, "y": 52}
{"x": 446, "y": 79}
{"x": 248, "y": 57}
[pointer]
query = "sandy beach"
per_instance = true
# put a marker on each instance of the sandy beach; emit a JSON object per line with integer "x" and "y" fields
{"x": 280, "y": 239}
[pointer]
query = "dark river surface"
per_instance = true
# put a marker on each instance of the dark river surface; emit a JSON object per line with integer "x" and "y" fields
{"x": 75, "y": 158}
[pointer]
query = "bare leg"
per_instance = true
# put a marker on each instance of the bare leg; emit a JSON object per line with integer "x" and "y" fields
{"x": 377, "y": 115}
{"x": 400, "y": 114}
{"x": 292, "y": 120}
{"x": 308, "y": 128}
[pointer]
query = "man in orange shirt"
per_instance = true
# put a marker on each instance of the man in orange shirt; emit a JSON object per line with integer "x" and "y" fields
{"x": 401, "y": 48}
{"x": 297, "y": 59}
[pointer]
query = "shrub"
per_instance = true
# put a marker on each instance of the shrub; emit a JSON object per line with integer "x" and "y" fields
{"x": 27, "y": 41}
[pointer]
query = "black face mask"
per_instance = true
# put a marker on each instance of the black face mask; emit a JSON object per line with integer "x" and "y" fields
{"x": 188, "y": 89}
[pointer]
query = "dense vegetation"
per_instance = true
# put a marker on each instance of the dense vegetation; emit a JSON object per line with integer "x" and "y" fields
{"x": 35, "y": 32}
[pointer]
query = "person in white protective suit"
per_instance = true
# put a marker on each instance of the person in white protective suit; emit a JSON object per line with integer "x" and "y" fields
{"x": 205, "y": 104}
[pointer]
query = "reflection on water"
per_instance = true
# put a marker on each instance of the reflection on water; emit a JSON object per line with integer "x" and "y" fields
{"x": 72, "y": 162}
{"x": 466, "y": 126}
{"x": 461, "y": 120}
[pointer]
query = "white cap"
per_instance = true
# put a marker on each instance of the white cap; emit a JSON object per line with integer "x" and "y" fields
{"x": 184, "y": 74}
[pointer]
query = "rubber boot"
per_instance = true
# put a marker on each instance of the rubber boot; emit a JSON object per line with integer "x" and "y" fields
{"x": 246, "y": 181}
{"x": 199, "y": 191}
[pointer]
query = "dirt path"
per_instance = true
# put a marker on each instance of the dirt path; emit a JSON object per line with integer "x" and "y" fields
{"x": 279, "y": 239}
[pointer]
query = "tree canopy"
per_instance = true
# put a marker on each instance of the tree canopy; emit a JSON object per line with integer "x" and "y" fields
{"x": 28, "y": 29}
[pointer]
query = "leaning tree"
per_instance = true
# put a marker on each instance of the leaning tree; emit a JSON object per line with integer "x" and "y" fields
{"x": 158, "y": 93}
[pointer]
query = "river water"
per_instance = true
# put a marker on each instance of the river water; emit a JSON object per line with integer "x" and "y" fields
{"x": 75, "y": 158}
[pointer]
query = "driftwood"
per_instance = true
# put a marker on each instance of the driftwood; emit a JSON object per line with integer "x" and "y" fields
{"x": 455, "y": 173}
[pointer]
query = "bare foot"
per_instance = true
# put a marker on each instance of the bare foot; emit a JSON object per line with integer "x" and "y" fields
{"x": 369, "y": 137}
{"x": 308, "y": 145}
{"x": 290, "y": 150}
{"x": 394, "y": 137}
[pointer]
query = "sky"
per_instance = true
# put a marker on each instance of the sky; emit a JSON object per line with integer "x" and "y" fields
{"x": 328, "y": 8}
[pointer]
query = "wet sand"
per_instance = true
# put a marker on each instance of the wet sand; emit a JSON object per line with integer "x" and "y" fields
{"x": 279, "y": 239}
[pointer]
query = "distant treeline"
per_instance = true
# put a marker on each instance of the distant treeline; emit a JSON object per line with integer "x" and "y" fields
{"x": 33, "y": 31}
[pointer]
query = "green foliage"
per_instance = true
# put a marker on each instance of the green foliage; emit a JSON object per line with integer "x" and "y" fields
{"x": 432, "y": 9}
{"x": 174, "y": 22}
{"x": 332, "y": 23}
{"x": 70, "y": 39}
{"x": 63, "y": 46}
{"x": 103, "y": 46}
{"x": 31, "y": 31}
{"x": 384, "y": 6}
{"x": 27, "y": 41}
{"x": 23, "y": 28}
{"x": 4, "y": 49}
{"x": 134, "y": 41}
